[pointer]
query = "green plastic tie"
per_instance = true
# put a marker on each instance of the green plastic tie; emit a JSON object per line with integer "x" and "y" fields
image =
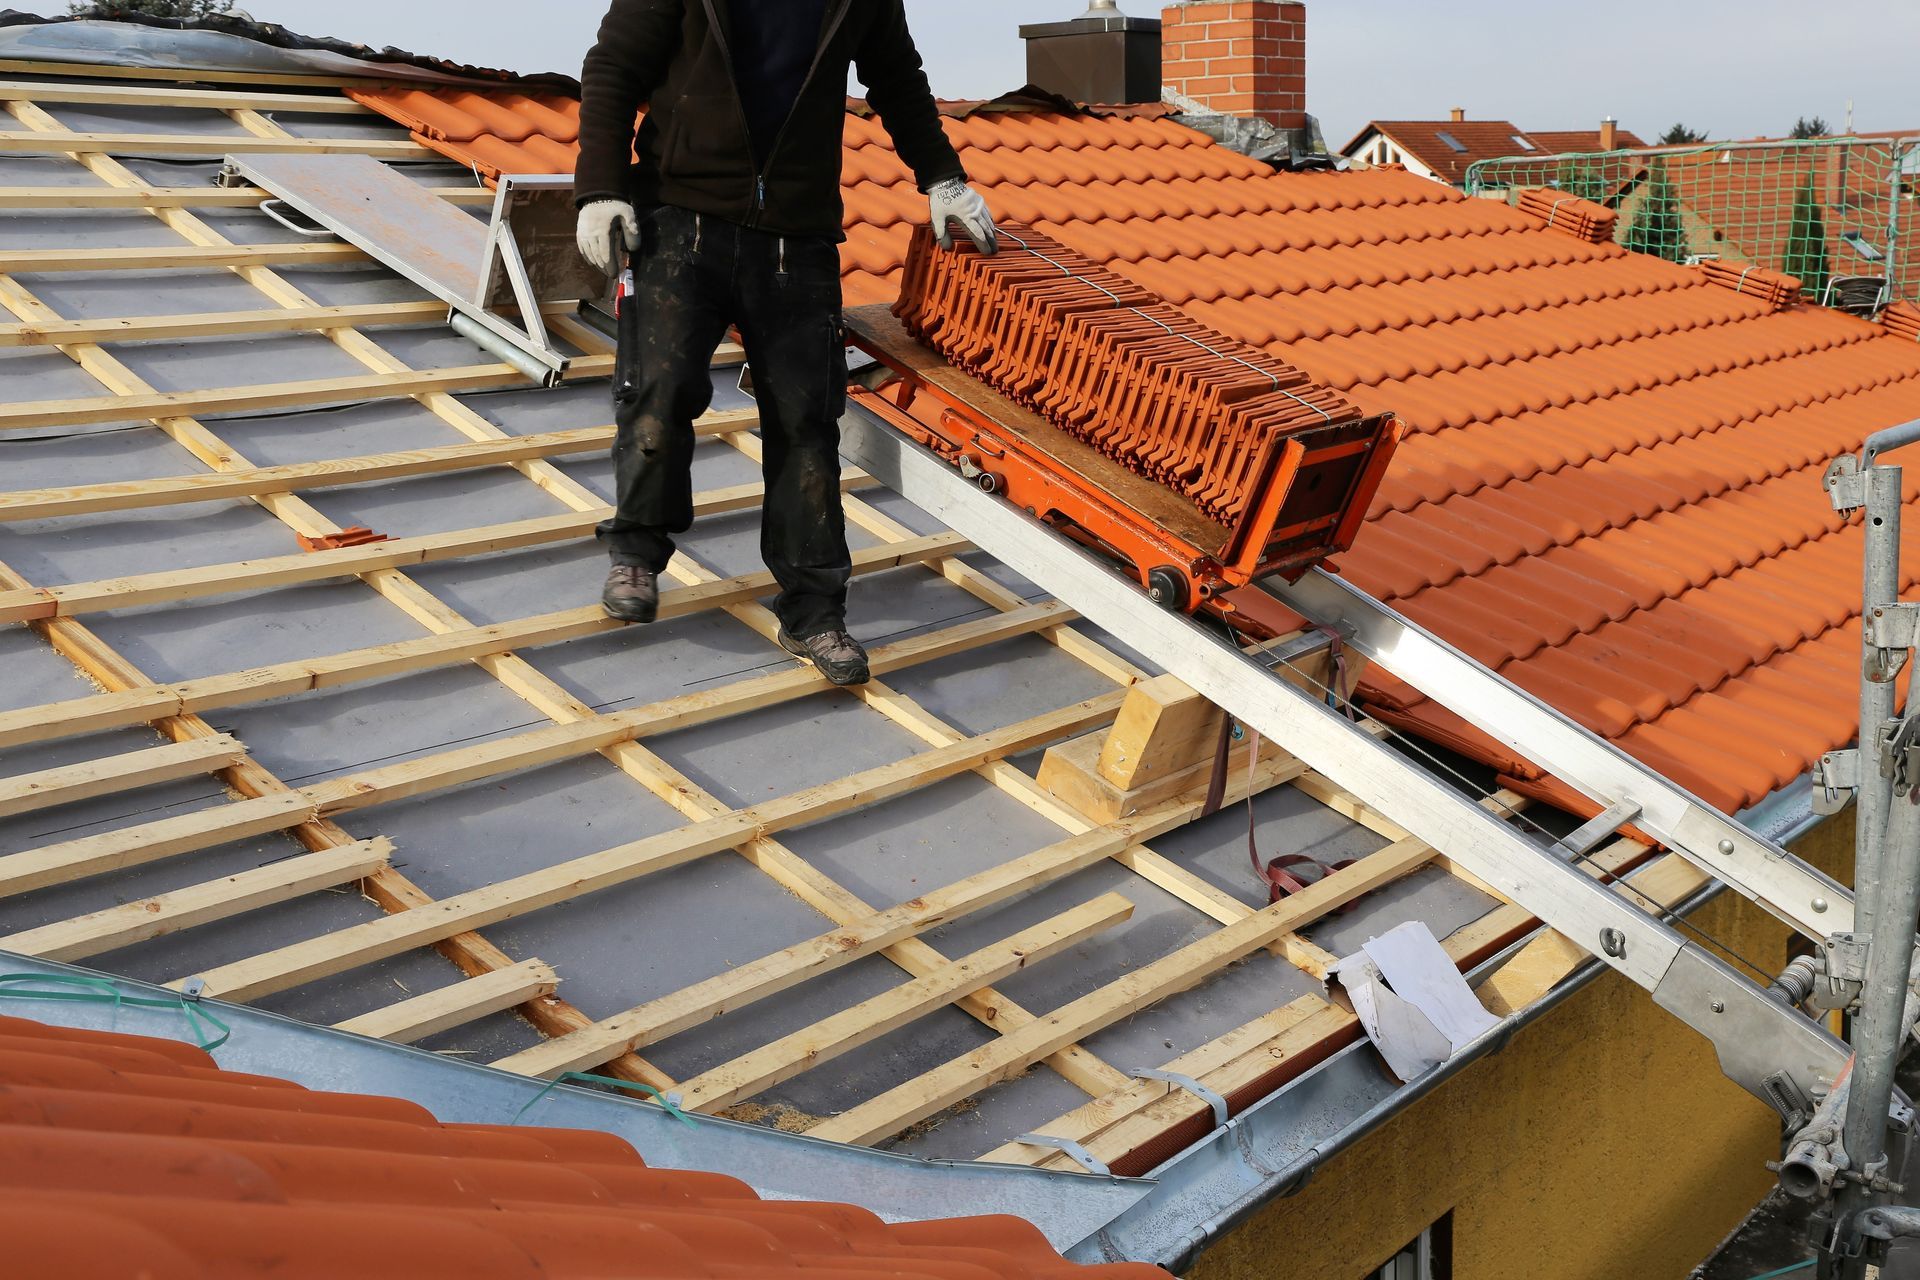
{"x": 1784, "y": 1271}
{"x": 564, "y": 1077}
{"x": 87, "y": 990}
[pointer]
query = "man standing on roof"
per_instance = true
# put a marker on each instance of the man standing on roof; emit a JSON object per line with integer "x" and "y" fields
{"x": 731, "y": 216}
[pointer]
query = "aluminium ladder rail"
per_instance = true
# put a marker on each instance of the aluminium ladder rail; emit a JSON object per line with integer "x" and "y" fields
{"x": 1812, "y": 903}
{"x": 1771, "y": 1049}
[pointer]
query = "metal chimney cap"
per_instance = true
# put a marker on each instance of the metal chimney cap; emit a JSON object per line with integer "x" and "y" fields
{"x": 1102, "y": 9}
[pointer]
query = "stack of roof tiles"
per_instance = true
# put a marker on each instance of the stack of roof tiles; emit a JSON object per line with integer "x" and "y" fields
{"x": 1902, "y": 319}
{"x": 1581, "y": 219}
{"x": 1771, "y": 287}
{"x": 1610, "y": 489}
{"x": 1107, "y": 361}
{"x": 128, "y": 1156}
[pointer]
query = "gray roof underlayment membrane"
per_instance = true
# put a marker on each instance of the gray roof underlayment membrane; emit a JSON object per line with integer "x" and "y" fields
{"x": 617, "y": 947}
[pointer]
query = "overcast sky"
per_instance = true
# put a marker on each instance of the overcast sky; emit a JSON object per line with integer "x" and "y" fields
{"x": 1735, "y": 68}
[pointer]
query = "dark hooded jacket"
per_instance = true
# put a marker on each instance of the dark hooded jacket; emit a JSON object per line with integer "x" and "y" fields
{"x": 696, "y": 149}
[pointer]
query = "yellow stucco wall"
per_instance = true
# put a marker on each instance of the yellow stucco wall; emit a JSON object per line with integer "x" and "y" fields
{"x": 1601, "y": 1144}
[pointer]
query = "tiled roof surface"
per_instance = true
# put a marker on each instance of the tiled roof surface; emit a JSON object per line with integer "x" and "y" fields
{"x": 1558, "y": 140}
{"x": 129, "y": 1156}
{"x": 1482, "y": 140}
{"x": 1611, "y": 488}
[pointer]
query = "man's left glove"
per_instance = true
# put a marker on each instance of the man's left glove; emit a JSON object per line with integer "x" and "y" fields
{"x": 955, "y": 201}
{"x": 595, "y": 230}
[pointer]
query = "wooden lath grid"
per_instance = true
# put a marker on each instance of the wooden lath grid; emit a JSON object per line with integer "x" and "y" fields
{"x": 1122, "y": 1113}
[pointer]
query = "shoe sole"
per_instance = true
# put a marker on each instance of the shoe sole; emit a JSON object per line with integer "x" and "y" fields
{"x": 794, "y": 647}
{"x": 627, "y": 613}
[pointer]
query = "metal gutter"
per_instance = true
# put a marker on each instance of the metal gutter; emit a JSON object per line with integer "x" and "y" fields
{"x": 1067, "y": 1207}
{"x": 1785, "y": 816}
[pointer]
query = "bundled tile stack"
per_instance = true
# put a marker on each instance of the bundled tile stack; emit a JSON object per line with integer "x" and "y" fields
{"x": 1902, "y": 319}
{"x": 1581, "y": 219}
{"x": 1109, "y": 362}
{"x": 1771, "y": 287}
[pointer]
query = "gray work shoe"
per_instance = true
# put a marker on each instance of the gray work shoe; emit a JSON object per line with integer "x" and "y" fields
{"x": 632, "y": 594}
{"x": 837, "y": 654}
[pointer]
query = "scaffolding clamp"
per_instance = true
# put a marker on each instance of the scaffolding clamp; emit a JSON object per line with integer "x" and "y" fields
{"x": 1835, "y": 777}
{"x": 1846, "y": 489}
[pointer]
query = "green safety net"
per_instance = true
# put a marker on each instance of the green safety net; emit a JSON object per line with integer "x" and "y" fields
{"x": 1833, "y": 212}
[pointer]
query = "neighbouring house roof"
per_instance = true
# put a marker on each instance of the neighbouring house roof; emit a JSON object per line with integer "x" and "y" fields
{"x": 1562, "y": 140}
{"x": 1476, "y": 140}
{"x": 1611, "y": 489}
{"x": 127, "y": 1155}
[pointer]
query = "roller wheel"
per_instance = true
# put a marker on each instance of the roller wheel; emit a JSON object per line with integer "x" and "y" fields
{"x": 1167, "y": 587}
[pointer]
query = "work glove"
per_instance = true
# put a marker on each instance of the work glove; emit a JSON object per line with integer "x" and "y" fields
{"x": 955, "y": 201}
{"x": 594, "y": 233}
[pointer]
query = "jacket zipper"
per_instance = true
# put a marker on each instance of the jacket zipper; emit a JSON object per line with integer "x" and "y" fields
{"x": 839, "y": 15}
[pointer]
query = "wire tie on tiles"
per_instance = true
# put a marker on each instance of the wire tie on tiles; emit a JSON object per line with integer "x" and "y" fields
{"x": 1741, "y": 287}
{"x": 85, "y": 990}
{"x": 1064, "y": 270}
{"x": 566, "y": 1077}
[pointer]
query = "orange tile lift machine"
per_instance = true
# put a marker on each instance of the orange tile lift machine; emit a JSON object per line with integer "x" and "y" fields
{"x": 1010, "y": 481}
{"x": 1198, "y": 463}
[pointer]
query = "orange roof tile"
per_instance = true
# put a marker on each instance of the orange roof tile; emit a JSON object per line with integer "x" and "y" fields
{"x": 125, "y": 1155}
{"x": 1557, "y": 141}
{"x": 1610, "y": 489}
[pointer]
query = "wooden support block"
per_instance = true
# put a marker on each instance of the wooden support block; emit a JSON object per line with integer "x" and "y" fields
{"x": 427, "y": 1015}
{"x": 122, "y": 926}
{"x": 827, "y": 1039}
{"x": 1071, "y": 774}
{"x": 1163, "y": 744}
{"x": 1163, "y": 728}
{"x": 197, "y": 757}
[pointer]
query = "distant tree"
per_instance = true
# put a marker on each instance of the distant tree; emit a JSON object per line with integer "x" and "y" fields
{"x": 188, "y": 9}
{"x": 1806, "y": 251}
{"x": 1814, "y": 128}
{"x": 1656, "y": 227}
{"x": 1681, "y": 135}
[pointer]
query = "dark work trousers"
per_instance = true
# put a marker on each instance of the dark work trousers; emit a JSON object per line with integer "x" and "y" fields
{"x": 693, "y": 276}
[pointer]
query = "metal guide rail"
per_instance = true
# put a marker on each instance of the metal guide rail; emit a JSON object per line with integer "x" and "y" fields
{"x": 1770, "y": 1048}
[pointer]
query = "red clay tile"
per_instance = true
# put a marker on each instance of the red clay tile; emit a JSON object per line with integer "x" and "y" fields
{"x": 1608, "y": 452}
{"x": 121, "y": 1155}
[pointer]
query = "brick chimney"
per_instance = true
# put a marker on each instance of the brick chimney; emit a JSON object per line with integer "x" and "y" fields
{"x": 1609, "y": 134}
{"x": 1239, "y": 57}
{"x": 1459, "y": 114}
